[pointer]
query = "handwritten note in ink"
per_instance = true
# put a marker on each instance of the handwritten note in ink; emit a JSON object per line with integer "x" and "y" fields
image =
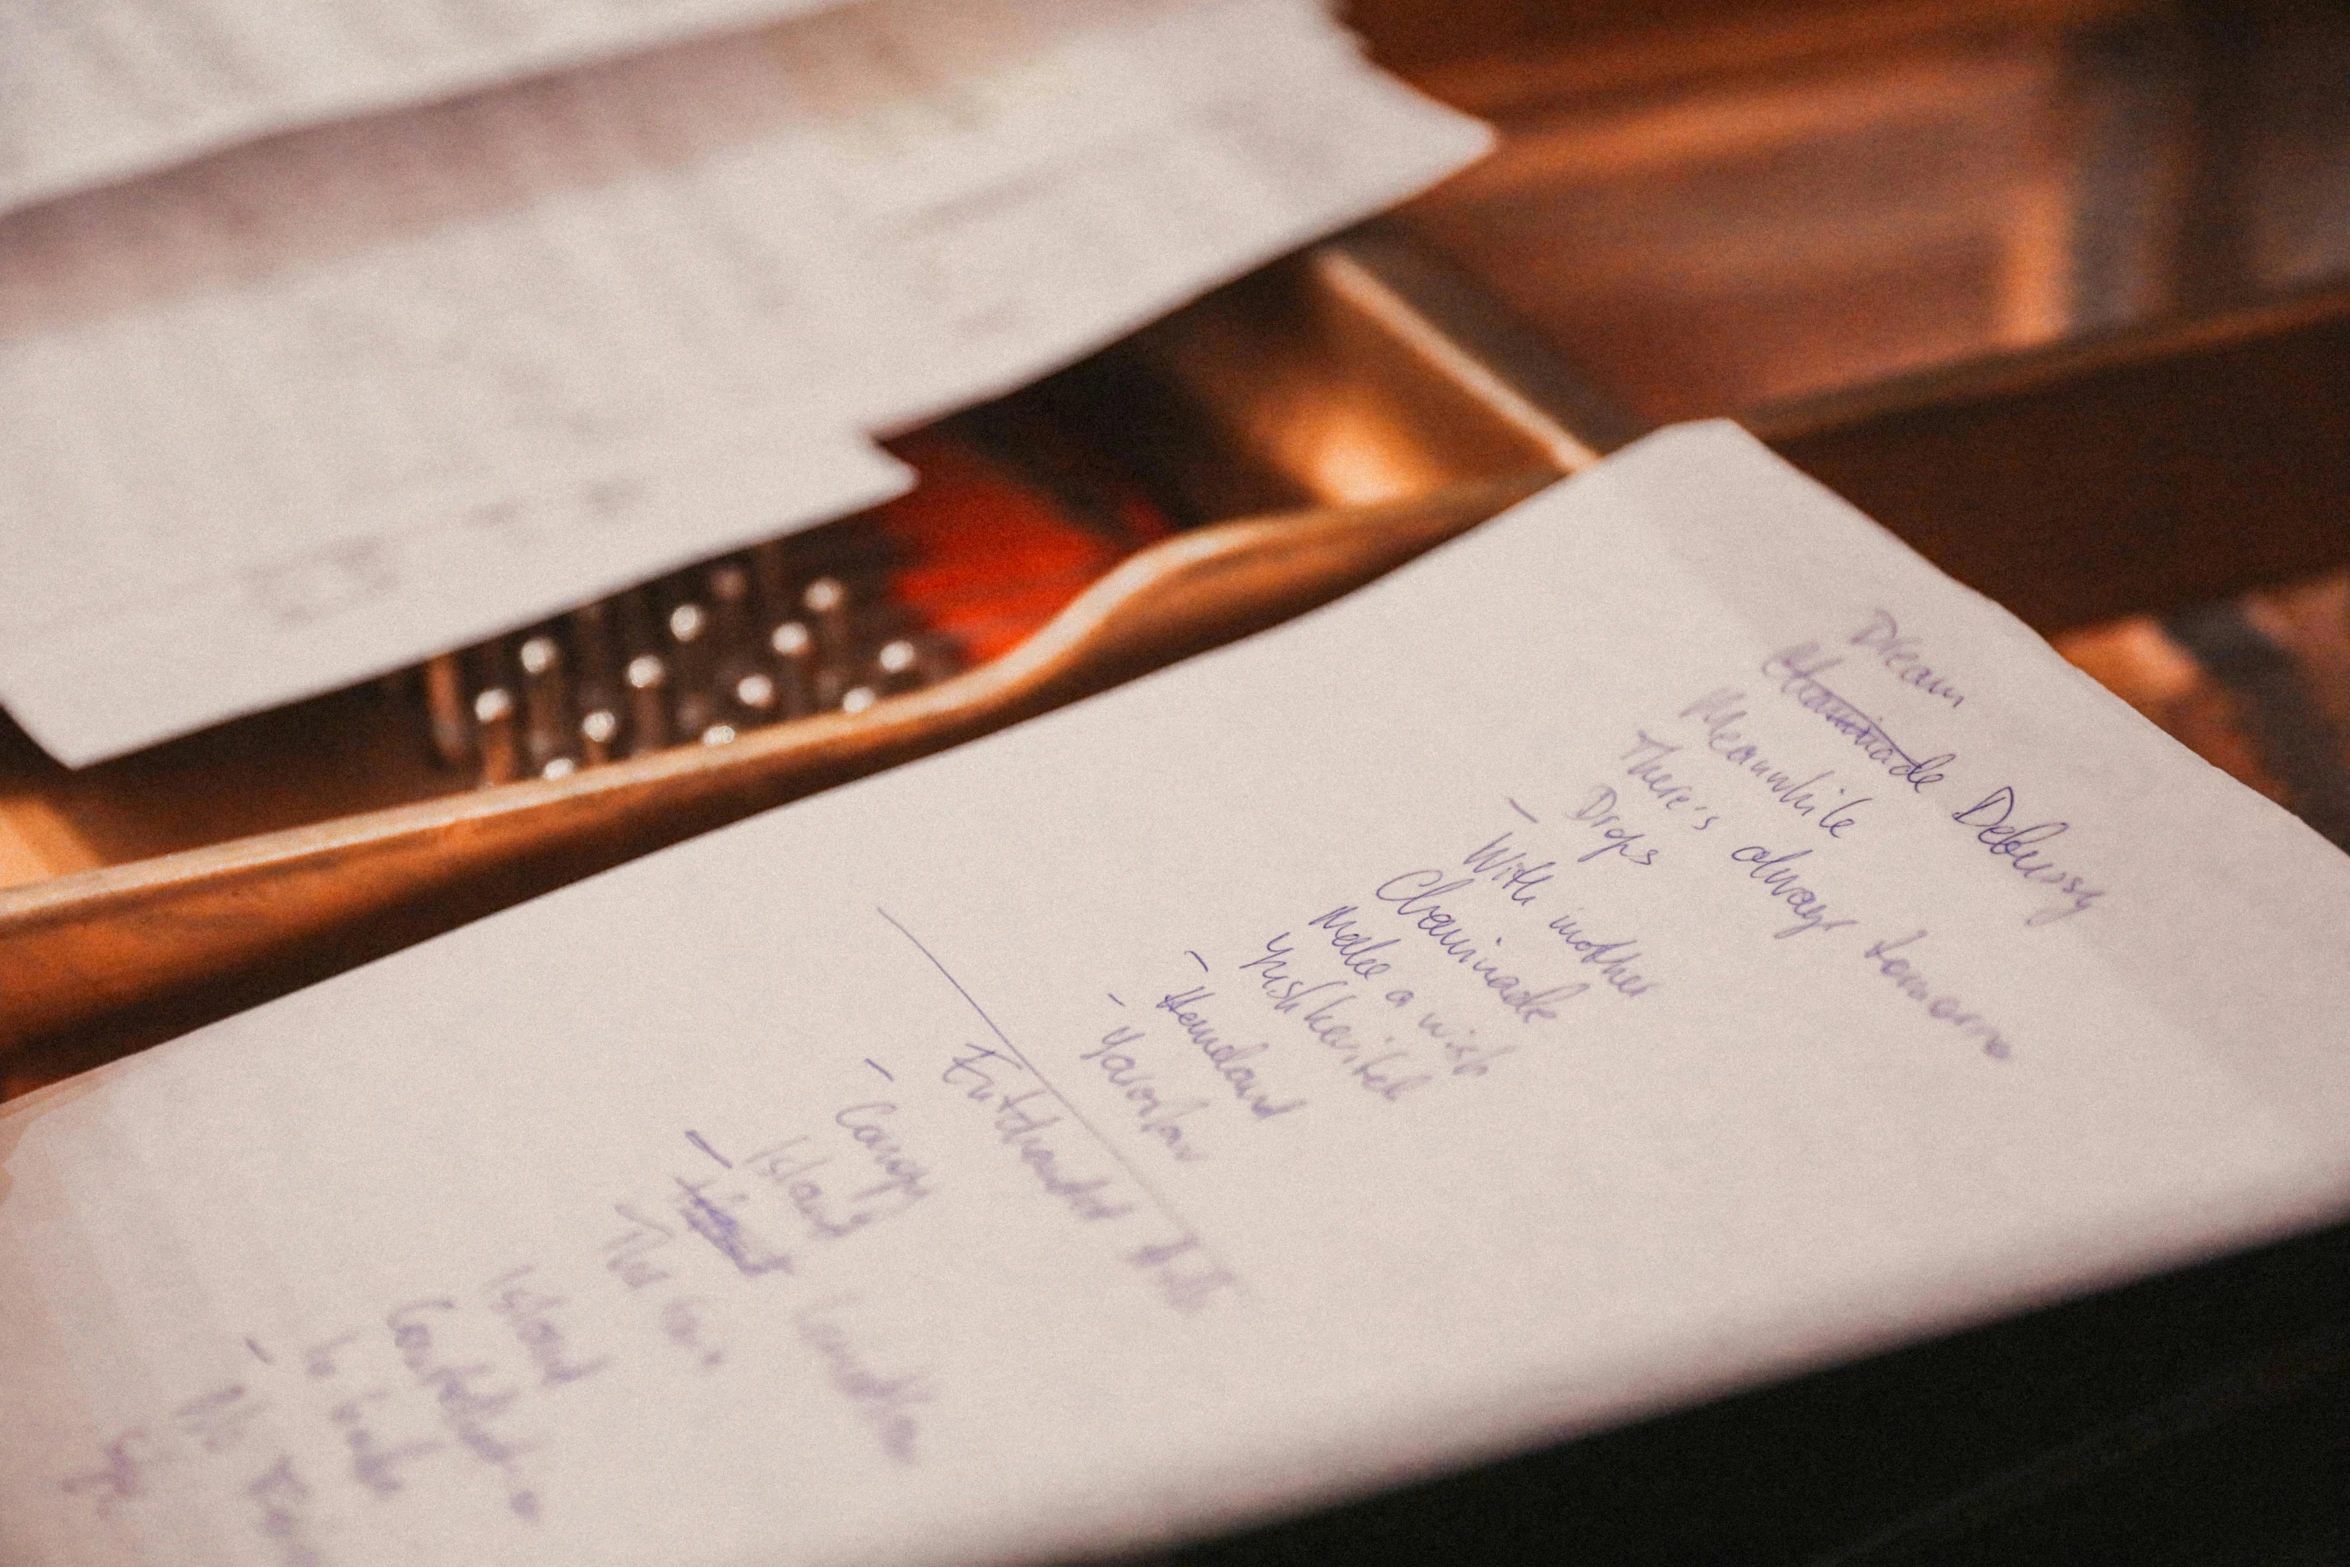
{"x": 1592, "y": 968}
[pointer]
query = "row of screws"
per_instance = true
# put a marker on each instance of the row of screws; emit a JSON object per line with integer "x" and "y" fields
{"x": 699, "y": 657}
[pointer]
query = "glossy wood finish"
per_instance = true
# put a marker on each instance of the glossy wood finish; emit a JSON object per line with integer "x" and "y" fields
{"x": 2091, "y": 476}
{"x": 2005, "y": 273}
{"x": 1709, "y": 204}
{"x": 1363, "y": 394}
{"x": 1764, "y": 201}
{"x": 2073, "y": 483}
{"x": 2096, "y": 479}
{"x": 263, "y": 913}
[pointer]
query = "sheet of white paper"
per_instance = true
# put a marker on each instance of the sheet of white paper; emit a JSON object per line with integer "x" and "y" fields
{"x": 1027, "y": 181}
{"x": 325, "y": 405}
{"x": 95, "y": 92}
{"x": 329, "y": 403}
{"x": 1666, "y": 938}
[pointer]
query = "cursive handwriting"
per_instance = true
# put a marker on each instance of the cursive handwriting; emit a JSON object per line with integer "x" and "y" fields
{"x": 1512, "y": 867}
{"x": 1155, "y": 1117}
{"x": 1777, "y": 872}
{"x": 1798, "y": 668}
{"x": 628, "y": 1257}
{"x": 1389, "y": 1074}
{"x": 1883, "y": 637}
{"x": 1599, "y": 815}
{"x": 728, "y": 1236}
{"x": 529, "y": 1314}
{"x": 975, "y": 1070}
{"x": 1647, "y": 759}
{"x": 1229, "y": 1060}
{"x": 1415, "y": 895}
{"x": 2021, "y": 847}
{"x": 1354, "y": 945}
{"x": 1464, "y": 1053}
{"x": 283, "y": 1503}
{"x": 1613, "y": 959}
{"x": 1940, "y": 1007}
{"x": 873, "y": 1125}
{"x": 464, "y": 1409}
{"x": 1720, "y": 713}
{"x": 885, "y": 1404}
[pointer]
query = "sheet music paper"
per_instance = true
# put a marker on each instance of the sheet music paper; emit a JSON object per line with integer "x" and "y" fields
{"x": 326, "y": 404}
{"x": 92, "y": 93}
{"x": 1666, "y": 938}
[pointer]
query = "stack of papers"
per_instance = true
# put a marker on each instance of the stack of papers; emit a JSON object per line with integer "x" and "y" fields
{"x": 415, "y": 368}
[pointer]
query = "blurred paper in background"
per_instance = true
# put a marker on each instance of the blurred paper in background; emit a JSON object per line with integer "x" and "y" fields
{"x": 326, "y": 403}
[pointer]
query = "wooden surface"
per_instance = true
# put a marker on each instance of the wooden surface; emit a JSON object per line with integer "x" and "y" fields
{"x": 2074, "y": 484}
{"x": 1715, "y": 207}
{"x": 2040, "y": 284}
{"x": 1762, "y": 202}
{"x": 152, "y": 947}
{"x": 2195, "y": 1419}
{"x": 2090, "y": 480}
{"x": 1711, "y": 205}
{"x": 1366, "y": 390}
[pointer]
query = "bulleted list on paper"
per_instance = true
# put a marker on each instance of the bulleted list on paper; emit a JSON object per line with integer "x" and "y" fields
{"x": 1664, "y": 939}
{"x": 326, "y": 404}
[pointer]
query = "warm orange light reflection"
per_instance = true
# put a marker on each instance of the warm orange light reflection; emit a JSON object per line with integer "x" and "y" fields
{"x": 1350, "y": 456}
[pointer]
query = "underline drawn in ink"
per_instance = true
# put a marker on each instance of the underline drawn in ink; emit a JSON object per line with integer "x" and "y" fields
{"x": 1190, "y": 1237}
{"x": 750, "y": 1255}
